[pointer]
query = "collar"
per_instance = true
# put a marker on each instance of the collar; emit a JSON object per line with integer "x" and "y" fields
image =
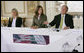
{"x": 63, "y": 15}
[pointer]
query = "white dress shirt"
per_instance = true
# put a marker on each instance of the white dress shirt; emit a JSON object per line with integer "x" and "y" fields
{"x": 14, "y": 22}
{"x": 39, "y": 17}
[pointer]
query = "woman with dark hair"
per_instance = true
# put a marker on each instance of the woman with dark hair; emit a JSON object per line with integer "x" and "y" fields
{"x": 38, "y": 22}
{"x": 39, "y": 18}
{"x": 15, "y": 20}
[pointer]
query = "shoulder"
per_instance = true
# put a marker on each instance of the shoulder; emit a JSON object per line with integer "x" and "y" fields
{"x": 19, "y": 18}
{"x": 44, "y": 15}
{"x": 10, "y": 18}
{"x": 58, "y": 15}
{"x": 69, "y": 15}
{"x": 34, "y": 17}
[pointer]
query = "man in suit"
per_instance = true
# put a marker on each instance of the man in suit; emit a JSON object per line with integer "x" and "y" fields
{"x": 63, "y": 20}
{"x": 15, "y": 21}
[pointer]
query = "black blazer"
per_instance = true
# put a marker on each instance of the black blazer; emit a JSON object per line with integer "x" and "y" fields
{"x": 57, "y": 20}
{"x": 18, "y": 22}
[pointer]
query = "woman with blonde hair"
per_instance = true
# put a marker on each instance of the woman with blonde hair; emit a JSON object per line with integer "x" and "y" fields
{"x": 15, "y": 20}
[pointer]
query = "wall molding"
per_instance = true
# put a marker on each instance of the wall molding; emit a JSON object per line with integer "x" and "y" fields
{"x": 76, "y": 13}
{"x": 10, "y": 12}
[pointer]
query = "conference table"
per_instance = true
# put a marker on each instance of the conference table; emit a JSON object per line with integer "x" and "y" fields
{"x": 62, "y": 41}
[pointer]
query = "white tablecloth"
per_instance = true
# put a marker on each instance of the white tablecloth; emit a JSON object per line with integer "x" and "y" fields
{"x": 57, "y": 40}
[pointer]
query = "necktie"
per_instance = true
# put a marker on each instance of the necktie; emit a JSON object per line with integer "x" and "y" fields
{"x": 61, "y": 22}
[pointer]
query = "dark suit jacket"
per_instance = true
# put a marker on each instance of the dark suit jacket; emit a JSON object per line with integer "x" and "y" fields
{"x": 40, "y": 22}
{"x": 18, "y": 22}
{"x": 57, "y": 20}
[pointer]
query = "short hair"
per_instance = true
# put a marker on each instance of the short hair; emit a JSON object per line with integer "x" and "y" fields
{"x": 65, "y": 6}
{"x": 14, "y": 9}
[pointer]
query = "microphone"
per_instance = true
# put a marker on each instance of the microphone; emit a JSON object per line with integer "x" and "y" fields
{"x": 57, "y": 30}
{"x": 74, "y": 50}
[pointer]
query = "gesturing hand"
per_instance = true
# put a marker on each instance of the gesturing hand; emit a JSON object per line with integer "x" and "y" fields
{"x": 45, "y": 22}
{"x": 66, "y": 28}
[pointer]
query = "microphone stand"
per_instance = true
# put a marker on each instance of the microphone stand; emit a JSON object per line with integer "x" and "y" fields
{"x": 74, "y": 50}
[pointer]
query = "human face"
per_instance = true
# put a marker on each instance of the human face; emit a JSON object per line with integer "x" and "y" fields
{"x": 14, "y": 14}
{"x": 64, "y": 10}
{"x": 40, "y": 11}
